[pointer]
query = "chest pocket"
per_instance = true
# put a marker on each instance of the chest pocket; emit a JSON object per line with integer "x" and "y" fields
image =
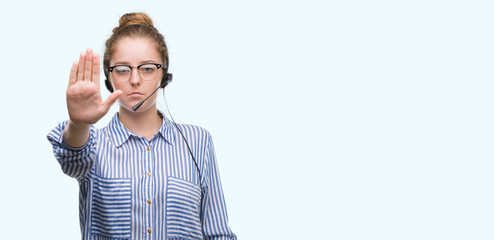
{"x": 182, "y": 206}
{"x": 111, "y": 207}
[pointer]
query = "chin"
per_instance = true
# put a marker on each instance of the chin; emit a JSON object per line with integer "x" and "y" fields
{"x": 127, "y": 105}
{"x": 144, "y": 107}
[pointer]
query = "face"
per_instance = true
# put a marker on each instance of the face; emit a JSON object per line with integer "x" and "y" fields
{"x": 134, "y": 52}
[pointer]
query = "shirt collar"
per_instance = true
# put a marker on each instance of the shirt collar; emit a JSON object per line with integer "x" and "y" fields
{"x": 119, "y": 134}
{"x": 167, "y": 129}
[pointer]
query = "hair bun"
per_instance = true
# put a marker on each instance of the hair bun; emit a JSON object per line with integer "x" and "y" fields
{"x": 134, "y": 18}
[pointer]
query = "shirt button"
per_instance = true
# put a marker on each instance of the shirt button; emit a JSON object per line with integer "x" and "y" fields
{"x": 149, "y": 174}
{"x": 149, "y": 230}
{"x": 147, "y": 148}
{"x": 149, "y": 201}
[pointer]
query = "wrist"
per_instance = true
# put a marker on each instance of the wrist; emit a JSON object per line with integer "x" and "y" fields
{"x": 78, "y": 125}
{"x": 76, "y": 134}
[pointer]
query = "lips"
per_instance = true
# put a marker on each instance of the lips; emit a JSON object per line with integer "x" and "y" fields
{"x": 135, "y": 94}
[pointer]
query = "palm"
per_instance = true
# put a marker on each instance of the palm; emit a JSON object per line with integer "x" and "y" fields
{"x": 84, "y": 101}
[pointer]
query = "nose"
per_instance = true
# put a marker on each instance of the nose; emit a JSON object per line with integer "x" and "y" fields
{"x": 135, "y": 79}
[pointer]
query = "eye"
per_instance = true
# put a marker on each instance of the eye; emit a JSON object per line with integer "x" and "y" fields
{"x": 122, "y": 70}
{"x": 149, "y": 68}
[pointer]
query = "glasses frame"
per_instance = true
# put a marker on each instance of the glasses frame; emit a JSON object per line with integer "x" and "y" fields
{"x": 110, "y": 69}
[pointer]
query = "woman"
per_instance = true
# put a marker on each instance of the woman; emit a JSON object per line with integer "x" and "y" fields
{"x": 142, "y": 176}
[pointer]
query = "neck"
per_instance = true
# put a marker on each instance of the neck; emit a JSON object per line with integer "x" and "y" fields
{"x": 143, "y": 123}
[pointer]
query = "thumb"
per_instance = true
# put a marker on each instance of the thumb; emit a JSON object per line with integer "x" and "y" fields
{"x": 112, "y": 98}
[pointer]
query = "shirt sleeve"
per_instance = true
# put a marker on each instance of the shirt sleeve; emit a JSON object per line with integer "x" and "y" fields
{"x": 215, "y": 217}
{"x": 75, "y": 162}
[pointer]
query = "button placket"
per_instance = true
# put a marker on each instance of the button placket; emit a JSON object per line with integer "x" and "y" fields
{"x": 148, "y": 180}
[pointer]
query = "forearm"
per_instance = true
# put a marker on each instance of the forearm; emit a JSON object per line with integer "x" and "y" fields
{"x": 76, "y": 135}
{"x": 75, "y": 161}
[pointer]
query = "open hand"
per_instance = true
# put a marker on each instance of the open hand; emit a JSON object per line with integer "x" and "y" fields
{"x": 84, "y": 101}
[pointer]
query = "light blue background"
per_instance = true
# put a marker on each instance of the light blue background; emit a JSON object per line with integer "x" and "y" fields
{"x": 331, "y": 119}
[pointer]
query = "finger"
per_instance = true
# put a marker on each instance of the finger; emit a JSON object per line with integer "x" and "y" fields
{"x": 80, "y": 68}
{"x": 88, "y": 65}
{"x": 112, "y": 99}
{"x": 96, "y": 70}
{"x": 73, "y": 73}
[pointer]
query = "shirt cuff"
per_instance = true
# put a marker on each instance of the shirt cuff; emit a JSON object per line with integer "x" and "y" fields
{"x": 66, "y": 146}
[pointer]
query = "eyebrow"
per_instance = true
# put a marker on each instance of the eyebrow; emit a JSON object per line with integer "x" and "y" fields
{"x": 142, "y": 62}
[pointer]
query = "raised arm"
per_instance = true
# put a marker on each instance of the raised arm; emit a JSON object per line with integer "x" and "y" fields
{"x": 84, "y": 102}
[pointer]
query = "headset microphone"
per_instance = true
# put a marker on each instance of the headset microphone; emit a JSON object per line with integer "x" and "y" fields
{"x": 168, "y": 79}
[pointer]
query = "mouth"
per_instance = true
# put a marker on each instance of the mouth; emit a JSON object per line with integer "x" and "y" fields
{"x": 135, "y": 94}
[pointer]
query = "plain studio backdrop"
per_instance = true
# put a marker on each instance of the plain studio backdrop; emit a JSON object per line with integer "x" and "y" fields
{"x": 330, "y": 119}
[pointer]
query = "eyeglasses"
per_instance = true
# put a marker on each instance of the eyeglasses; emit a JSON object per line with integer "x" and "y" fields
{"x": 147, "y": 71}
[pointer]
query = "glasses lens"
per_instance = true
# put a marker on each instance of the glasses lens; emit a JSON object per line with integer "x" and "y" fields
{"x": 122, "y": 73}
{"x": 148, "y": 71}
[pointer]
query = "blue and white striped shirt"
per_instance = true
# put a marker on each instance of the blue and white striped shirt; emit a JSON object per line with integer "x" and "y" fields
{"x": 134, "y": 188}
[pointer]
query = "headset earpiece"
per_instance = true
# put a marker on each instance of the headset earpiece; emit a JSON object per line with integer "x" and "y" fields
{"x": 108, "y": 85}
{"x": 166, "y": 80}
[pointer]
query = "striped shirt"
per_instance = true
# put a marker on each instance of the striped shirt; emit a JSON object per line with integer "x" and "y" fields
{"x": 134, "y": 188}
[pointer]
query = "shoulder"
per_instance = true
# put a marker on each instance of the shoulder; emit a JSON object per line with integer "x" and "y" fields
{"x": 193, "y": 130}
{"x": 194, "y": 133}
